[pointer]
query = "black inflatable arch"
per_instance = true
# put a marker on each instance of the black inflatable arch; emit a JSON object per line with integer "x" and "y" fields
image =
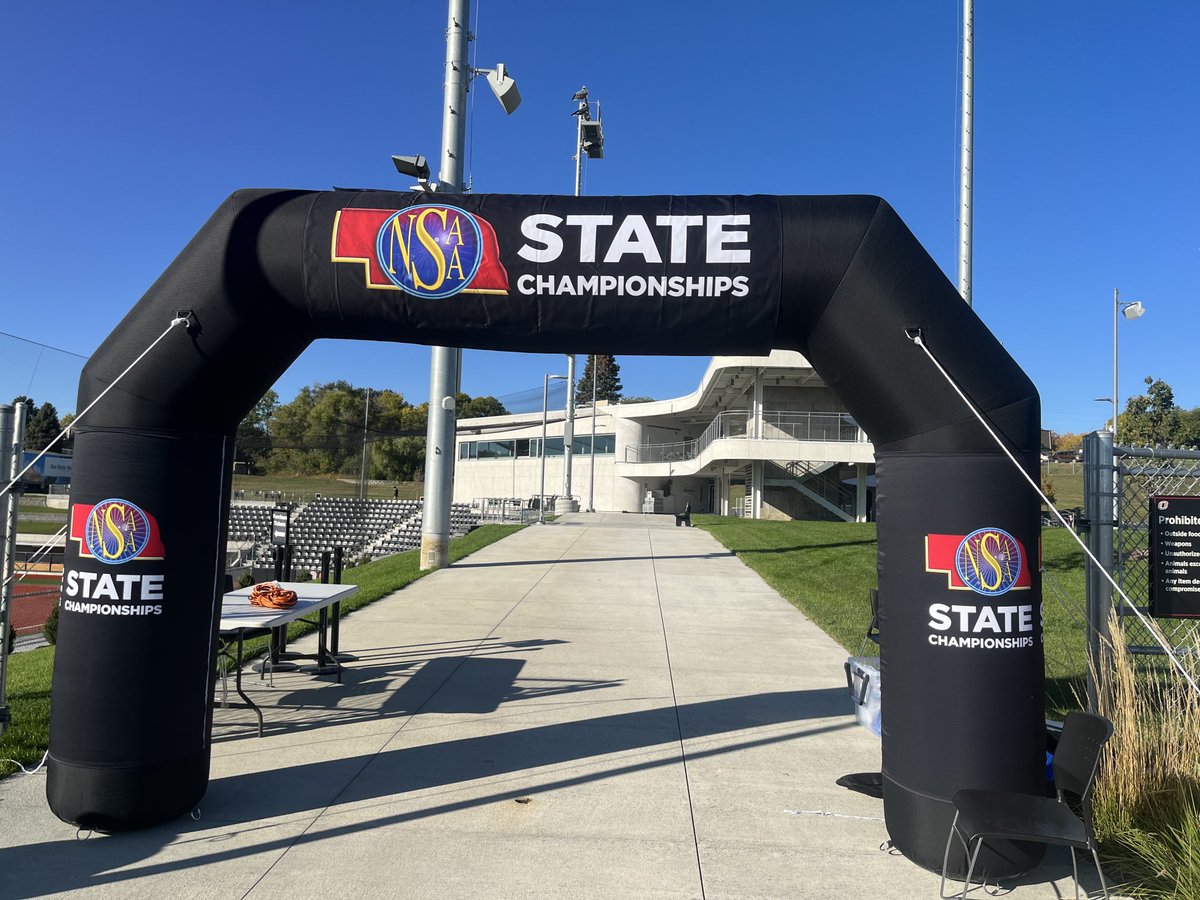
{"x": 838, "y": 278}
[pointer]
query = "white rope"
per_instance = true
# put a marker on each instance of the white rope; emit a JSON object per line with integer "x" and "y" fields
{"x": 915, "y": 336}
{"x": 179, "y": 320}
{"x": 32, "y": 771}
{"x": 831, "y": 815}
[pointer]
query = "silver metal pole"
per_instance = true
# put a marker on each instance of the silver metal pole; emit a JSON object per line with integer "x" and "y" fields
{"x": 1116, "y": 314}
{"x": 569, "y": 429}
{"x": 569, "y": 424}
{"x": 967, "y": 145}
{"x": 542, "y": 452}
{"x": 444, "y": 361}
{"x": 12, "y": 433}
{"x": 579, "y": 149}
{"x": 1099, "y": 470}
{"x": 592, "y": 474}
{"x": 362, "y": 474}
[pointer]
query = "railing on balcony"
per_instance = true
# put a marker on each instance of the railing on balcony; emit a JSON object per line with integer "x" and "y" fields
{"x": 738, "y": 424}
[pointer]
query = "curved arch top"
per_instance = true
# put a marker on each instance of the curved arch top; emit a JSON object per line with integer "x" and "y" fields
{"x": 838, "y": 278}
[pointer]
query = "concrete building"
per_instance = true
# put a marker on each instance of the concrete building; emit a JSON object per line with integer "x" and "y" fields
{"x": 761, "y": 436}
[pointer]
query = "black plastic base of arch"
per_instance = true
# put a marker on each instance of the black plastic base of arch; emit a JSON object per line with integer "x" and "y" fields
{"x": 125, "y": 798}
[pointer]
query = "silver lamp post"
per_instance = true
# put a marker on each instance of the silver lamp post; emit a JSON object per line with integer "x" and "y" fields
{"x": 445, "y": 365}
{"x": 542, "y": 449}
{"x": 589, "y": 141}
{"x": 1131, "y": 311}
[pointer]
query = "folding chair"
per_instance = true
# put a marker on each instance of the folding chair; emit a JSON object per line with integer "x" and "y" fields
{"x": 981, "y": 815}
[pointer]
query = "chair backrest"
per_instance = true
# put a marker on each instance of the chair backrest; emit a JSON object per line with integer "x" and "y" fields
{"x": 873, "y": 628}
{"x": 1078, "y": 754}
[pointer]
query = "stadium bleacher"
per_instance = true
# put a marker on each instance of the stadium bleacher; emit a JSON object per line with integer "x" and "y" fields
{"x": 362, "y": 528}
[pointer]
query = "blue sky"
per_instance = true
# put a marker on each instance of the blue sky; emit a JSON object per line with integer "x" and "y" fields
{"x": 124, "y": 125}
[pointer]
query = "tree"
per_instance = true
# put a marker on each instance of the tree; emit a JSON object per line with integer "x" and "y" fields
{"x": 1066, "y": 441}
{"x": 468, "y": 407}
{"x": 637, "y": 400}
{"x": 1189, "y": 427}
{"x": 253, "y": 435}
{"x": 1151, "y": 418}
{"x": 41, "y": 425}
{"x": 608, "y": 380}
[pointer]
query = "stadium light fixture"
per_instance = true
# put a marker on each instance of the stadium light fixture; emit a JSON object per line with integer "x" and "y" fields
{"x": 503, "y": 86}
{"x": 1131, "y": 311}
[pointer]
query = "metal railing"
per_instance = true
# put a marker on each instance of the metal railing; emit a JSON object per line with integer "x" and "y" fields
{"x": 739, "y": 424}
{"x": 822, "y": 483}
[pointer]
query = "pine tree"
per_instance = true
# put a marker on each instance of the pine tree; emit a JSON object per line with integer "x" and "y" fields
{"x": 608, "y": 380}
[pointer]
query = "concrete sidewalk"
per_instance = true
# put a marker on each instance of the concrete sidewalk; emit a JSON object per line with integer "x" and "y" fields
{"x": 607, "y": 706}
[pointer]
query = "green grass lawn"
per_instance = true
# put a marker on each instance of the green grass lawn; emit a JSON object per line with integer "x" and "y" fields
{"x": 1067, "y": 479}
{"x": 304, "y": 486}
{"x": 29, "y": 673}
{"x": 825, "y": 570}
{"x": 38, "y": 526}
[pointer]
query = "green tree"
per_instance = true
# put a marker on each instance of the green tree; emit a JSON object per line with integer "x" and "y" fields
{"x": 1151, "y": 418}
{"x": 253, "y": 434}
{"x": 468, "y": 407}
{"x": 608, "y": 380}
{"x": 637, "y": 399}
{"x": 41, "y": 425}
{"x": 1189, "y": 427}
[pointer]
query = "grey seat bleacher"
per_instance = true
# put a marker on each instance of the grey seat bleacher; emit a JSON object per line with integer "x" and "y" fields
{"x": 372, "y": 528}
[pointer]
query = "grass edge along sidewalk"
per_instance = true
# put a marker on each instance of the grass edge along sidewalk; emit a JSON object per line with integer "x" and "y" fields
{"x": 29, "y": 673}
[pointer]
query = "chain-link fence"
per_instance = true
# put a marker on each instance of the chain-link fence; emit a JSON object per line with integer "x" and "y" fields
{"x": 1119, "y": 483}
{"x": 1141, "y": 475}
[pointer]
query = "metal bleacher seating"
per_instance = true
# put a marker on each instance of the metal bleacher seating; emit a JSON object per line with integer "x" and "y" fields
{"x": 362, "y": 528}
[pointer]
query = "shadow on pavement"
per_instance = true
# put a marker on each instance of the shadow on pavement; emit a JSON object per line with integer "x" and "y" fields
{"x": 237, "y": 807}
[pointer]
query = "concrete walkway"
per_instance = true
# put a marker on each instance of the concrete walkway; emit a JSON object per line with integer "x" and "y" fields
{"x": 607, "y": 706}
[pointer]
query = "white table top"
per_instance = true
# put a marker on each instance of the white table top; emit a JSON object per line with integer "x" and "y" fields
{"x": 236, "y": 611}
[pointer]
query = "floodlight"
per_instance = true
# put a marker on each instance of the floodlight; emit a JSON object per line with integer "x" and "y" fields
{"x": 1133, "y": 310}
{"x": 412, "y": 166}
{"x": 580, "y": 94}
{"x": 504, "y": 88}
{"x": 593, "y": 139}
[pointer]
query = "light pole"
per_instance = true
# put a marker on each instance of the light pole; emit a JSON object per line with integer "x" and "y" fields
{"x": 542, "y": 449}
{"x": 1130, "y": 311}
{"x": 589, "y": 141}
{"x": 445, "y": 363}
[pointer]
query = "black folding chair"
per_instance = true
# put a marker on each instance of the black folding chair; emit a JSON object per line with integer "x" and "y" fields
{"x": 980, "y": 815}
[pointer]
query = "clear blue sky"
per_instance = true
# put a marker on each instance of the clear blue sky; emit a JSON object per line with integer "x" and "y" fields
{"x": 125, "y": 124}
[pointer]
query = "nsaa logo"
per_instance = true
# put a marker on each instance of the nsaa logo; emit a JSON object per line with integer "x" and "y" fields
{"x": 115, "y": 531}
{"x": 433, "y": 251}
{"x": 988, "y": 561}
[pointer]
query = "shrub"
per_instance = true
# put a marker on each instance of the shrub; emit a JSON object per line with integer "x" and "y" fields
{"x": 50, "y": 629}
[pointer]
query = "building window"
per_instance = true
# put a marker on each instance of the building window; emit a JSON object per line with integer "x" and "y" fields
{"x": 495, "y": 449}
{"x": 526, "y": 448}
